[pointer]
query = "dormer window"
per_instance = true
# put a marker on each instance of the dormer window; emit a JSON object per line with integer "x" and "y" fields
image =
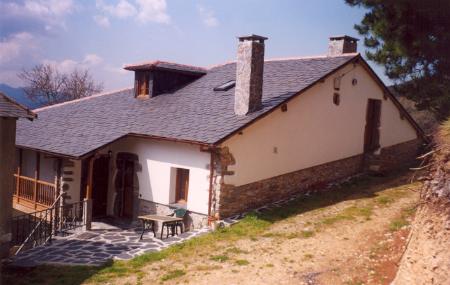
{"x": 143, "y": 83}
{"x": 158, "y": 77}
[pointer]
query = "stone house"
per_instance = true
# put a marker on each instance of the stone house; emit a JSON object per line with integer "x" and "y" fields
{"x": 220, "y": 140}
{"x": 10, "y": 111}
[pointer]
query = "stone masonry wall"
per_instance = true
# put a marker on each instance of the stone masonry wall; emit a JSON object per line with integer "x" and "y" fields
{"x": 230, "y": 200}
{"x": 191, "y": 220}
{"x": 399, "y": 155}
{"x": 249, "y": 76}
{"x": 234, "y": 200}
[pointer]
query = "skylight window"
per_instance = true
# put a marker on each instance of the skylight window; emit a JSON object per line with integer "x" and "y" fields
{"x": 226, "y": 86}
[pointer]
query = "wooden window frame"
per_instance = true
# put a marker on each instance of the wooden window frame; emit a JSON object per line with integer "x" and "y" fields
{"x": 181, "y": 185}
{"x": 142, "y": 83}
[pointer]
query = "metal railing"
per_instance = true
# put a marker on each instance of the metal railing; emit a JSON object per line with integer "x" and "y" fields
{"x": 31, "y": 230}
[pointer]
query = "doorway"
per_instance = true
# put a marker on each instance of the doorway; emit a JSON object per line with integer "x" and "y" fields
{"x": 100, "y": 178}
{"x": 127, "y": 188}
{"x": 372, "y": 129}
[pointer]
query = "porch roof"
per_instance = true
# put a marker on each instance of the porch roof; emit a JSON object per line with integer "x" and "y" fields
{"x": 10, "y": 108}
{"x": 194, "y": 113}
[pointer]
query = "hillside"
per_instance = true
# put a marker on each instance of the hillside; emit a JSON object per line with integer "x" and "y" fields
{"x": 426, "y": 258}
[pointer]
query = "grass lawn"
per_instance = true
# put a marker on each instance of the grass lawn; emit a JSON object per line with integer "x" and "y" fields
{"x": 218, "y": 249}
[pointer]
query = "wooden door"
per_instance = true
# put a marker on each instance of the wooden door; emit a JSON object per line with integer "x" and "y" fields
{"x": 100, "y": 177}
{"x": 182, "y": 185}
{"x": 128, "y": 189}
{"x": 372, "y": 130}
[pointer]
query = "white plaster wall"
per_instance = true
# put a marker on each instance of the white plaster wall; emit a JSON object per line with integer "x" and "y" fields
{"x": 157, "y": 177}
{"x": 314, "y": 131}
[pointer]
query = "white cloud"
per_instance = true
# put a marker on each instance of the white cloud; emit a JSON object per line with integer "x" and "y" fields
{"x": 123, "y": 9}
{"x": 15, "y": 45}
{"x": 68, "y": 65}
{"x": 117, "y": 69}
{"x": 102, "y": 21}
{"x": 45, "y": 8}
{"x": 142, "y": 10}
{"x": 92, "y": 59}
{"x": 34, "y": 15}
{"x": 153, "y": 10}
{"x": 207, "y": 16}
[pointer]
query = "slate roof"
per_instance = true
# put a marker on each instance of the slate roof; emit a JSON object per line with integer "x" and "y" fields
{"x": 10, "y": 108}
{"x": 194, "y": 113}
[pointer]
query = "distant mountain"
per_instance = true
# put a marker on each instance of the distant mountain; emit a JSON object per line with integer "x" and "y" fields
{"x": 19, "y": 95}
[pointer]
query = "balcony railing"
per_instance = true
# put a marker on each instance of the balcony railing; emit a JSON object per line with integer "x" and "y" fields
{"x": 33, "y": 193}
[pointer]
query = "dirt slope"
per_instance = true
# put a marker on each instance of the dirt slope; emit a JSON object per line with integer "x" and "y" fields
{"x": 356, "y": 241}
{"x": 427, "y": 258}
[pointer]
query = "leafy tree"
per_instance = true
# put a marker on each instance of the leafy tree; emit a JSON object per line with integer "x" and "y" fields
{"x": 411, "y": 38}
{"x": 47, "y": 86}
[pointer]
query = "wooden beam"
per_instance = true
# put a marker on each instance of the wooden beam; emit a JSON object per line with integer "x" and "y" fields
{"x": 90, "y": 178}
{"x": 36, "y": 178}
{"x": 18, "y": 174}
{"x": 38, "y": 165}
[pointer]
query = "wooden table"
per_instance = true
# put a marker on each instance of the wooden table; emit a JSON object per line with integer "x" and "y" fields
{"x": 148, "y": 223}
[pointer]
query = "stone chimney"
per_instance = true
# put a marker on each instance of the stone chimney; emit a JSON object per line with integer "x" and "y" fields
{"x": 249, "y": 74}
{"x": 339, "y": 45}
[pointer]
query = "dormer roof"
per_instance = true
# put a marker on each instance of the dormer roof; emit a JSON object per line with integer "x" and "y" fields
{"x": 167, "y": 66}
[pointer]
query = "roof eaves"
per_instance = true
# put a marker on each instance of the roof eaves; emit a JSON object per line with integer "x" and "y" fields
{"x": 152, "y": 137}
{"x": 165, "y": 65}
{"x": 30, "y": 115}
{"x": 399, "y": 106}
{"x": 63, "y": 155}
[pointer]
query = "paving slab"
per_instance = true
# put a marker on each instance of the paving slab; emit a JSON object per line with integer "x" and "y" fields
{"x": 98, "y": 247}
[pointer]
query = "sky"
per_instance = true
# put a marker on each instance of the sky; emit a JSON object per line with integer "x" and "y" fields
{"x": 104, "y": 35}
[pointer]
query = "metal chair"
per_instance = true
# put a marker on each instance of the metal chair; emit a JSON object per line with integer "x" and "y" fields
{"x": 179, "y": 213}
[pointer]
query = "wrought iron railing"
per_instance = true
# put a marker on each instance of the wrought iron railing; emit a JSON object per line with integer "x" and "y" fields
{"x": 31, "y": 230}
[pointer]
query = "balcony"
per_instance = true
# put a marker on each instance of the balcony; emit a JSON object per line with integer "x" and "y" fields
{"x": 31, "y": 194}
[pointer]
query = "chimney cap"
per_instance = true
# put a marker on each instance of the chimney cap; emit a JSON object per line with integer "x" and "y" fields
{"x": 252, "y": 37}
{"x": 343, "y": 37}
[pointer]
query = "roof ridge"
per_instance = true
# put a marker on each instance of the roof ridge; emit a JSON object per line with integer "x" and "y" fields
{"x": 288, "y": 58}
{"x": 311, "y": 57}
{"x": 82, "y": 99}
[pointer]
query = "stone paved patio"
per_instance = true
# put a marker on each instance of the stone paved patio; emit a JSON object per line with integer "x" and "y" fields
{"x": 98, "y": 246}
